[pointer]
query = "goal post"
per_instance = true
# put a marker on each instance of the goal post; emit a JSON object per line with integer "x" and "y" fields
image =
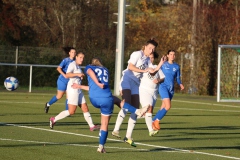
{"x": 228, "y": 77}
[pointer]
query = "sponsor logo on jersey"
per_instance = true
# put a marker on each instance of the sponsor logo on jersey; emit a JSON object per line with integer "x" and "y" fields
{"x": 142, "y": 67}
{"x": 150, "y": 76}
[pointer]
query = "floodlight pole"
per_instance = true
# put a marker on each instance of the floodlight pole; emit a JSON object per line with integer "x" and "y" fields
{"x": 119, "y": 45}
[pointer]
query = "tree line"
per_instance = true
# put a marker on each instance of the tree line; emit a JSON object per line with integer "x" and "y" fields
{"x": 194, "y": 28}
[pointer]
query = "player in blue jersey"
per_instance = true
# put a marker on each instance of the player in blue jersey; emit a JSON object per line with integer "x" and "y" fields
{"x": 62, "y": 79}
{"x": 75, "y": 96}
{"x": 171, "y": 71}
{"x": 138, "y": 64}
{"x": 101, "y": 97}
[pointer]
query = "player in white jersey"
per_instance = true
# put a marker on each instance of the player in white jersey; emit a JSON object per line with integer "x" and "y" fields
{"x": 75, "y": 96}
{"x": 148, "y": 91}
{"x": 138, "y": 63}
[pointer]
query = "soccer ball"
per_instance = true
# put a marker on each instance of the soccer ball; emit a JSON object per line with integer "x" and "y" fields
{"x": 11, "y": 83}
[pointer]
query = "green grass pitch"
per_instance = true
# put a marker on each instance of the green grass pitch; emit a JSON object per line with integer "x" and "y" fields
{"x": 196, "y": 128}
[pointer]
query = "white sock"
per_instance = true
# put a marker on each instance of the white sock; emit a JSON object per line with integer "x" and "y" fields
{"x": 48, "y": 104}
{"x": 131, "y": 124}
{"x": 62, "y": 115}
{"x": 120, "y": 118}
{"x": 148, "y": 120}
{"x": 88, "y": 119}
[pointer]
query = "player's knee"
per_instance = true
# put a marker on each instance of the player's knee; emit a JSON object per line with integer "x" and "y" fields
{"x": 150, "y": 109}
{"x": 71, "y": 112}
{"x": 59, "y": 96}
{"x": 168, "y": 107}
{"x": 84, "y": 108}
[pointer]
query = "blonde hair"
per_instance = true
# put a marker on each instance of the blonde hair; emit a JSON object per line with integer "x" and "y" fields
{"x": 96, "y": 62}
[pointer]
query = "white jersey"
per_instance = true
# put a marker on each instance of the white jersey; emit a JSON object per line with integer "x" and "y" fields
{"x": 74, "y": 68}
{"x": 148, "y": 89}
{"x": 138, "y": 59}
{"x": 147, "y": 80}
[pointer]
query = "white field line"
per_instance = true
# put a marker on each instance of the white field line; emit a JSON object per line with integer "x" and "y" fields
{"x": 67, "y": 144}
{"x": 210, "y": 104}
{"x": 155, "y": 106}
{"x": 199, "y": 103}
{"x": 143, "y": 144}
{"x": 207, "y": 110}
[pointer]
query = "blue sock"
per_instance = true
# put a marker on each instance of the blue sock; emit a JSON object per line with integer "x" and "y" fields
{"x": 160, "y": 114}
{"x": 66, "y": 104}
{"x": 53, "y": 100}
{"x": 103, "y": 137}
{"x": 129, "y": 108}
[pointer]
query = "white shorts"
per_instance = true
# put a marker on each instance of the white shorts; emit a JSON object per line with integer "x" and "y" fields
{"x": 147, "y": 97}
{"x": 128, "y": 83}
{"x": 75, "y": 97}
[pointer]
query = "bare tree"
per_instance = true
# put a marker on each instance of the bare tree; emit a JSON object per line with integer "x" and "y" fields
{"x": 193, "y": 42}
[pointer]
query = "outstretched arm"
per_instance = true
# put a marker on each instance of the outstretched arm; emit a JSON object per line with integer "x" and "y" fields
{"x": 78, "y": 86}
{"x": 132, "y": 67}
{"x": 71, "y": 75}
{"x": 163, "y": 59}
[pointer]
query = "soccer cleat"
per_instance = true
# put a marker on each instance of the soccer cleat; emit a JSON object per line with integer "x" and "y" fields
{"x": 153, "y": 133}
{"x": 142, "y": 111}
{"x": 52, "y": 122}
{"x": 101, "y": 149}
{"x": 116, "y": 134}
{"x": 95, "y": 127}
{"x": 129, "y": 141}
{"x": 46, "y": 108}
{"x": 156, "y": 125}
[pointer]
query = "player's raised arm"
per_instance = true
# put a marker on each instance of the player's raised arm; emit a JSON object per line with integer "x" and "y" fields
{"x": 163, "y": 59}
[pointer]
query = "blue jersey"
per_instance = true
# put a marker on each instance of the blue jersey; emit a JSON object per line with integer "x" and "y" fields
{"x": 171, "y": 72}
{"x": 64, "y": 65}
{"x": 103, "y": 77}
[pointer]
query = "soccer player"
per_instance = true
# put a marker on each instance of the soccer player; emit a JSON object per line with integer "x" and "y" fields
{"x": 62, "y": 79}
{"x": 75, "y": 96}
{"x": 148, "y": 92}
{"x": 101, "y": 97}
{"x": 171, "y": 71}
{"x": 138, "y": 64}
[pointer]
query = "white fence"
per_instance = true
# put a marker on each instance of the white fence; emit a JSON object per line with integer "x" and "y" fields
{"x": 31, "y": 66}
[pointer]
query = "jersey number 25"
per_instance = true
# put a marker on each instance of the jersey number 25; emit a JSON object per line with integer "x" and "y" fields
{"x": 102, "y": 75}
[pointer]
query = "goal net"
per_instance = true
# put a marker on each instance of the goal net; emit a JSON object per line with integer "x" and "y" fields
{"x": 228, "y": 82}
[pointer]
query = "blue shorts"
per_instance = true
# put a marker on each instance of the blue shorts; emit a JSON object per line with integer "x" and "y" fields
{"x": 128, "y": 83}
{"x": 61, "y": 85}
{"x": 166, "y": 91}
{"x": 105, "y": 105}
